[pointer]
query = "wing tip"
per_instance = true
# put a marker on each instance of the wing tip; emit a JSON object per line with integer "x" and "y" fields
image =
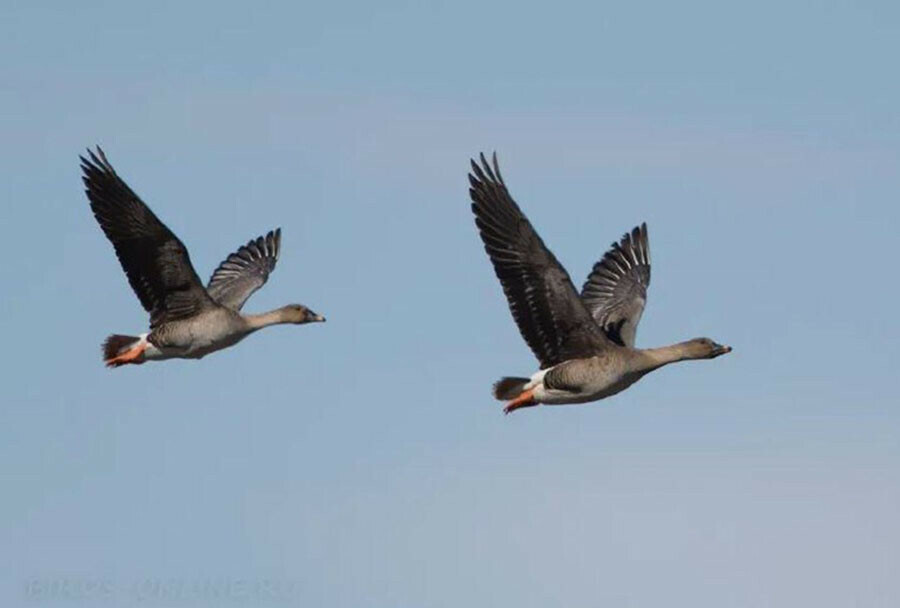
{"x": 95, "y": 167}
{"x": 274, "y": 239}
{"x": 485, "y": 172}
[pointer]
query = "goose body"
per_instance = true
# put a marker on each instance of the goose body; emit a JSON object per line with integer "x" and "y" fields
{"x": 187, "y": 319}
{"x": 584, "y": 380}
{"x": 584, "y": 341}
{"x": 195, "y": 338}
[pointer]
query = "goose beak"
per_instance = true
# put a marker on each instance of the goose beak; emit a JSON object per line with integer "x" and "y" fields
{"x": 321, "y": 319}
{"x": 721, "y": 349}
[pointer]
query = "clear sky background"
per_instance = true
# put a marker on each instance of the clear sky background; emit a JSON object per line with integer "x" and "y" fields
{"x": 363, "y": 463}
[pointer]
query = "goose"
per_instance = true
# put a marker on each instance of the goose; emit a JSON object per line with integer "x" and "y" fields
{"x": 187, "y": 320}
{"x": 583, "y": 342}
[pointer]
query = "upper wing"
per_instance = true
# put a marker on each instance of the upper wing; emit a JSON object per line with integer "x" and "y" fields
{"x": 156, "y": 262}
{"x": 543, "y": 301}
{"x": 245, "y": 271}
{"x": 616, "y": 290}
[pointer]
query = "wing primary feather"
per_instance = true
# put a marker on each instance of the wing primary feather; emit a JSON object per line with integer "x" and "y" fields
{"x": 244, "y": 271}
{"x": 616, "y": 289}
{"x": 155, "y": 261}
{"x": 550, "y": 316}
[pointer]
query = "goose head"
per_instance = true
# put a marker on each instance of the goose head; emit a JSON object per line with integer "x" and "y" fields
{"x": 300, "y": 314}
{"x": 704, "y": 348}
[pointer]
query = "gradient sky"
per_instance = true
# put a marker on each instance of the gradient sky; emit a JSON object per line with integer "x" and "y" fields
{"x": 363, "y": 463}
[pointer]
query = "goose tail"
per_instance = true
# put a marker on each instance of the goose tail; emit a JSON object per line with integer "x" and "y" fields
{"x": 119, "y": 350}
{"x": 507, "y": 388}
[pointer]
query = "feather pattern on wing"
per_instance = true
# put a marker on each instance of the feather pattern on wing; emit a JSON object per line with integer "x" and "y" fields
{"x": 245, "y": 271}
{"x": 155, "y": 261}
{"x": 551, "y": 317}
{"x": 616, "y": 290}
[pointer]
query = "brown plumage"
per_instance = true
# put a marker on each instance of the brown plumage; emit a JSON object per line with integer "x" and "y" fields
{"x": 155, "y": 261}
{"x": 616, "y": 290}
{"x": 584, "y": 343}
{"x": 553, "y": 320}
{"x": 187, "y": 320}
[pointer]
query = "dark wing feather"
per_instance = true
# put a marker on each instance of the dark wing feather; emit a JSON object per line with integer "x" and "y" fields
{"x": 551, "y": 317}
{"x": 245, "y": 271}
{"x": 616, "y": 290}
{"x": 156, "y": 262}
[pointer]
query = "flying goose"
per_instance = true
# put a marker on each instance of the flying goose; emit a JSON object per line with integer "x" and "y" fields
{"x": 584, "y": 343}
{"x": 187, "y": 320}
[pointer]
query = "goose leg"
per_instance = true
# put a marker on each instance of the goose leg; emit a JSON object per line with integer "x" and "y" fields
{"x": 525, "y": 399}
{"x": 133, "y": 355}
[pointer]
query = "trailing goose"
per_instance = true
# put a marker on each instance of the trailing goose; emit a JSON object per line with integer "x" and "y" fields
{"x": 187, "y": 320}
{"x": 583, "y": 342}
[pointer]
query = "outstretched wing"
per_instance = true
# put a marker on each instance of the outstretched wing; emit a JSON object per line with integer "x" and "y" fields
{"x": 157, "y": 263}
{"x": 616, "y": 290}
{"x": 550, "y": 315}
{"x": 245, "y": 271}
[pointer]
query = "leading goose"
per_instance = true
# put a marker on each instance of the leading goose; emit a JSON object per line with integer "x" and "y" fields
{"x": 584, "y": 343}
{"x": 187, "y": 320}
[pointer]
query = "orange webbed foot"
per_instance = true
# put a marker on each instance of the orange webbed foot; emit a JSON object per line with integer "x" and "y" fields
{"x": 525, "y": 399}
{"x": 133, "y": 355}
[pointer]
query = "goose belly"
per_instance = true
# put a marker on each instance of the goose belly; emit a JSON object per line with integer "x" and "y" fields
{"x": 575, "y": 385}
{"x": 185, "y": 343}
{"x": 202, "y": 347}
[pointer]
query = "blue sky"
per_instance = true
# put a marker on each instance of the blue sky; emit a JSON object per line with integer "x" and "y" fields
{"x": 363, "y": 462}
